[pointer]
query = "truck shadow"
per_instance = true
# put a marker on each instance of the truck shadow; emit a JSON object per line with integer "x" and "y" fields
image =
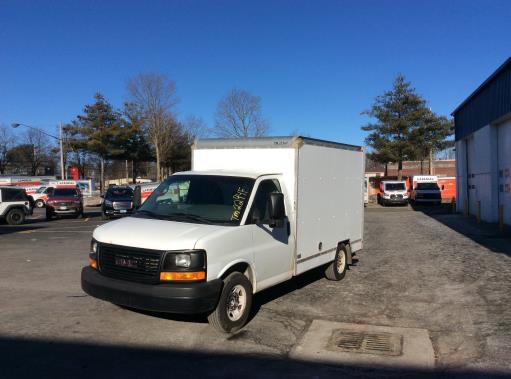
{"x": 483, "y": 233}
{"x": 25, "y": 357}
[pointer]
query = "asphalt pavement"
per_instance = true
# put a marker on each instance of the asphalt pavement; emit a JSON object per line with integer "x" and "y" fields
{"x": 419, "y": 269}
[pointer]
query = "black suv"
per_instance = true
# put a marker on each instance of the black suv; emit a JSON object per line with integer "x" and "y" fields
{"x": 118, "y": 201}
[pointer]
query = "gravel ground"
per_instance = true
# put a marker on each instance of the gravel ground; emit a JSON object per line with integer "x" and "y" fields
{"x": 429, "y": 270}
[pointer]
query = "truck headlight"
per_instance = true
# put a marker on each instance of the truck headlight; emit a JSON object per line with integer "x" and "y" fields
{"x": 188, "y": 265}
{"x": 93, "y": 255}
{"x": 183, "y": 260}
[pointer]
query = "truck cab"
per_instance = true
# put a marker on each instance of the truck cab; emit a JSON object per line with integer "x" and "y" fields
{"x": 393, "y": 192}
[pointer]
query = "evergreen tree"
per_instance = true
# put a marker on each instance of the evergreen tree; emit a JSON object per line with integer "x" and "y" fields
{"x": 399, "y": 112}
{"x": 100, "y": 129}
{"x": 432, "y": 137}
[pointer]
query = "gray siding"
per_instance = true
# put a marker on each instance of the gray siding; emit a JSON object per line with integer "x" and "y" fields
{"x": 488, "y": 103}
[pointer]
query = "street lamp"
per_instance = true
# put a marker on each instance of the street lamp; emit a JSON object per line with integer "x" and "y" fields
{"x": 62, "y": 169}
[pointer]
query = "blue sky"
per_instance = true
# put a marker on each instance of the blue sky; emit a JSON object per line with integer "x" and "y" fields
{"x": 315, "y": 64}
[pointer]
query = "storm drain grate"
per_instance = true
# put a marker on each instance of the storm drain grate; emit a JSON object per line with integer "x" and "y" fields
{"x": 366, "y": 343}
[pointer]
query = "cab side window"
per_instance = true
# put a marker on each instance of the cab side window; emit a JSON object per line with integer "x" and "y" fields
{"x": 260, "y": 212}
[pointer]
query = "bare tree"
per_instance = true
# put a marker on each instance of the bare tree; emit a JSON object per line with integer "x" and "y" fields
{"x": 6, "y": 142}
{"x": 239, "y": 115}
{"x": 155, "y": 97}
{"x": 195, "y": 127}
{"x": 41, "y": 148}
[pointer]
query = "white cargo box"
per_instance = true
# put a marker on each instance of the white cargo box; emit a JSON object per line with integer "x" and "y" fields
{"x": 324, "y": 181}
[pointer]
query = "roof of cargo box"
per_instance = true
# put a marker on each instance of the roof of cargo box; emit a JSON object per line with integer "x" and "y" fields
{"x": 268, "y": 142}
{"x": 242, "y": 174}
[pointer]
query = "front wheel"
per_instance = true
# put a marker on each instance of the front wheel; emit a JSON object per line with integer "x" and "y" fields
{"x": 337, "y": 269}
{"x": 15, "y": 217}
{"x": 233, "y": 308}
{"x": 49, "y": 215}
{"x": 39, "y": 203}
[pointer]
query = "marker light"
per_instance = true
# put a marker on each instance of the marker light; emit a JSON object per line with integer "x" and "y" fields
{"x": 182, "y": 276}
{"x": 93, "y": 263}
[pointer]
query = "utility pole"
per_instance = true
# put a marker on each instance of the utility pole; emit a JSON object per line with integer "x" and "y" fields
{"x": 62, "y": 168}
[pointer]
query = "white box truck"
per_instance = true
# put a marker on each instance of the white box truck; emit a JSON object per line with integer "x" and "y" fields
{"x": 250, "y": 214}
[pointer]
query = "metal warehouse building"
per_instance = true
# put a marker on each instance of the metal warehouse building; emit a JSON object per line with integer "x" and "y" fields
{"x": 483, "y": 148}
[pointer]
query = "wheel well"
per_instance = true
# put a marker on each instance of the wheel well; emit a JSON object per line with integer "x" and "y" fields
{"x": 348, "y": 248}
{"x": 11, "y": 207}
{"x": 242, "y": 267}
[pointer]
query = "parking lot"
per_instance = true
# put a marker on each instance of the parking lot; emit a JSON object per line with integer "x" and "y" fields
{"x": 419, "y": 269}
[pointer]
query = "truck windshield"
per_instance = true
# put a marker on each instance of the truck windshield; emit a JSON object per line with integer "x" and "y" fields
{"x": 120, "y": 192}
{"x": 427, "y": 186}
{"x": 64, "y": 192}
{"x": 206, "y": 199}
{"x": 394, "y": 186}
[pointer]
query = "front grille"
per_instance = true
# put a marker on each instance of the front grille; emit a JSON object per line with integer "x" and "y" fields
{"x": 64, "y": 204}
{"x": 428, "y": 196}
{"x": 122, "y": 205}
{"x": 396, "y": 196}
{"x": 128, "y": 263}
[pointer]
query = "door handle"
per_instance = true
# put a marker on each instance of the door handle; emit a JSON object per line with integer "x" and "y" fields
{"x": 288, "y": 228}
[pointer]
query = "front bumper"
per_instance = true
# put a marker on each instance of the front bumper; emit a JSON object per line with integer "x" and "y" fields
{"x": 117, "y": 212}
{"x": 69, "y": 211}
{"x": 187, "y": 298}
{"x": 431, "y": 201}
{"x": 395, "y": 200}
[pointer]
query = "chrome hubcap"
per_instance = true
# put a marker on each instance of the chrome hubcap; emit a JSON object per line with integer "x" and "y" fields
{"x": 341, "y": 262}
{"x": 236, "y": 303}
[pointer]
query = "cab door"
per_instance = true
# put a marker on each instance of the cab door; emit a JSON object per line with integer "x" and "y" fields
{"x": 273, "y": 245}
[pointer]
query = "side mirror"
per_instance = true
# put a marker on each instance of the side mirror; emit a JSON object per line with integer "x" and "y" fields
{"x": 277, "y": 209}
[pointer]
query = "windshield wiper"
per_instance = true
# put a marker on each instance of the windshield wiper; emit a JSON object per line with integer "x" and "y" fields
{"x": 192, "y": 217}
{"x": 149, "y": 213}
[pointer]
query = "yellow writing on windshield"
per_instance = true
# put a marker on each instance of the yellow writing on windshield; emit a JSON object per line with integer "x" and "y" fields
{"x": 238, "y": 200}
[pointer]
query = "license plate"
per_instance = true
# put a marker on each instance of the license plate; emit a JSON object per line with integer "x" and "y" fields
{"x": 63, "y": 208}
{"x": 123, "y": 210}
{"x": 126, "y": 262}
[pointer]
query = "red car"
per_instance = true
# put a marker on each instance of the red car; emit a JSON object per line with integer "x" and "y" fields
{"x": 64, "y": 202}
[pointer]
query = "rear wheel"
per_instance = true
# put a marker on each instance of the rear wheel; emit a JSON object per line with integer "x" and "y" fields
{"x": 337, "y": 269}
{"x": 15, "y": 217}
{"x": 233, "y": 308}
{"x": 49, "y": 215}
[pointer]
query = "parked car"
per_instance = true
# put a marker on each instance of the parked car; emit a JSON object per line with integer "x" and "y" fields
{"x": 117, "y": 201}
{"x": 15, "y": 205}
{"x": 41, "y": 196}
{"x": 393, "y": 192}
{"x": 206, "y": 240}
{"x": 426, "y": 193}
{"x": 64, "y": 202}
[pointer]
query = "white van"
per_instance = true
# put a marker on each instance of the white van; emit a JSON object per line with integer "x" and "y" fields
{"x": 393, "y": 192}
{"x": 252, "y": 213}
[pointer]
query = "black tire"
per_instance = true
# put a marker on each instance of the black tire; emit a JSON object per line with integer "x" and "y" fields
{"x": 337, "y": 269}
{"x": 49, "y": 215}
{"x": 104, "y": 216}
{"x": 15, "y": 217}
{"x": 39, "y": 203}
{"x": 223, "y": 318}
{"x": 80, "y": 214}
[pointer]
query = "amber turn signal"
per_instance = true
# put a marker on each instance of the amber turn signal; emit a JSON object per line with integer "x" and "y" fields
{"x": 186, "y": 276}
{"x": 93, "y": 263}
